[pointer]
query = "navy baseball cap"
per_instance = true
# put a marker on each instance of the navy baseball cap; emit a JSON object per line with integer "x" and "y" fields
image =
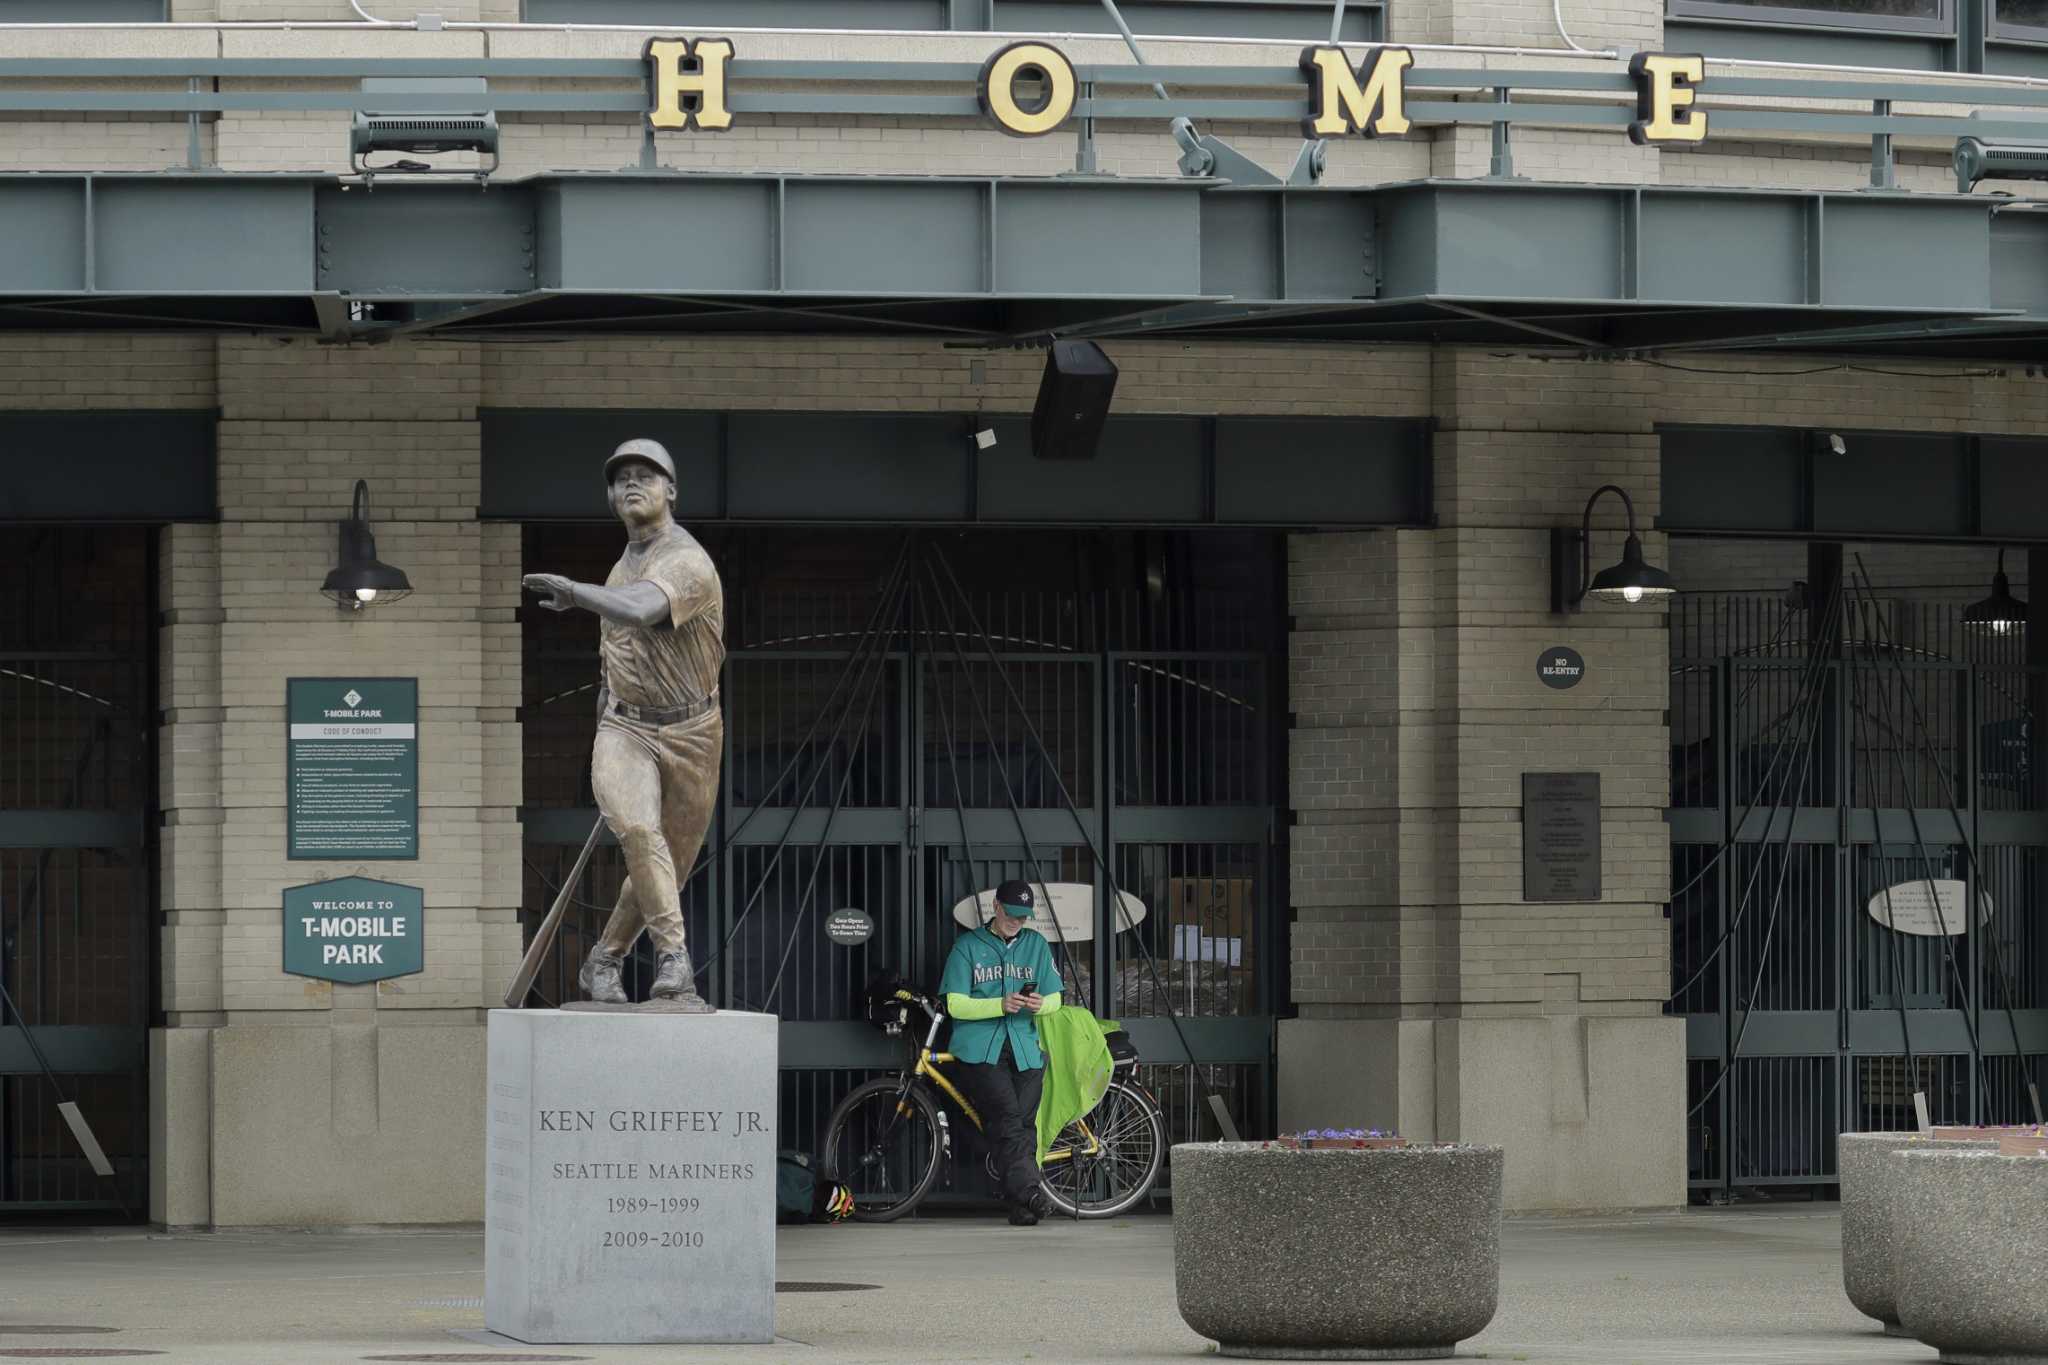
{"x": 1016, "y": 899}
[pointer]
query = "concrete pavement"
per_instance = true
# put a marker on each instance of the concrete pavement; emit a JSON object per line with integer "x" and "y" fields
{"x": 1751, "y": 1286}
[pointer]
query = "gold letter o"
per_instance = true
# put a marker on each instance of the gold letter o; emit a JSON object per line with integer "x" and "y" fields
{"x": 997, "y": 89}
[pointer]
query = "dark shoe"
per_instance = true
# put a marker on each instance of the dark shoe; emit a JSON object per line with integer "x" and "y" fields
{"x": 675, "y": 982}
{"x": 1023, "y": 1216}
{"x": 600, "y": 978}
{"x": 1040, "y": 1204}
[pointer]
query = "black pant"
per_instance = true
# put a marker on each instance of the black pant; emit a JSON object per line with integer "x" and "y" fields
{"x": 1007, "y": 1100}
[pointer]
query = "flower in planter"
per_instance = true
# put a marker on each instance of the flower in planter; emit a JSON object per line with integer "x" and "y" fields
{"x": 1341, "y": 1137}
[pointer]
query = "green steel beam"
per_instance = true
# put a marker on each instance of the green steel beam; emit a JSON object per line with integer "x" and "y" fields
{"x": 69, "y": 829}
{"x": 985, "y": 257}
{"x": 73, "y": 1050}
{"x": 1236, "y": 1040}
{"x": 1483, "y": 240}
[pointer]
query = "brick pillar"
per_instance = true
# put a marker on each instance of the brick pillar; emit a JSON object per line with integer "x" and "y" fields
{"x": 1363, "y": 760}
{"x": 189, "y": 772}
{"x": 1432, "y": 997}
{"x": 262, "y": 1076}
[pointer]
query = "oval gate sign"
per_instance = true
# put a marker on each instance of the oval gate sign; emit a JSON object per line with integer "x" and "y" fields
{"x": 1909, "y": 908}
{"x": 1560, "y": 667}
{"x": 849, "y": 928}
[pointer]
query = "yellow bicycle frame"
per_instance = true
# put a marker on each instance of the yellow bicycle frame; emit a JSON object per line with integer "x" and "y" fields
{"x": 928, "y": 1068}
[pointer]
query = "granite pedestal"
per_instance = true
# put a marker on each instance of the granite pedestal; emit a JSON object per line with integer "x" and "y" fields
{"x": 630, "y": 1163}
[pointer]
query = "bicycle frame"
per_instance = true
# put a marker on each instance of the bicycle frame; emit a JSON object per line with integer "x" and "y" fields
{"x": 928, "y": 1068}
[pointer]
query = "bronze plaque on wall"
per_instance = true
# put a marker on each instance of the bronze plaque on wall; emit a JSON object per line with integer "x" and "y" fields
{"x": 1560, "y": 836}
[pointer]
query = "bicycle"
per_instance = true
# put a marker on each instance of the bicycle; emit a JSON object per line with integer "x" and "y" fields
{"x": 886, "y": 1139}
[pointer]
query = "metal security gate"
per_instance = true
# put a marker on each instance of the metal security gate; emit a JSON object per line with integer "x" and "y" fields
{"x": 1152, "y": 707}
{"x": 77, "y": 859}
{"x": 1834, "y": 766}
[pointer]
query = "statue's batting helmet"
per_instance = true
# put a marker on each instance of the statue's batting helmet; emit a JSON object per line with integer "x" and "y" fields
{"x": 640, "y": 448}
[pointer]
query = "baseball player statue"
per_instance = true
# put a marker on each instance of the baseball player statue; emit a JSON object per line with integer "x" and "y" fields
{"x": 654, "y": 766}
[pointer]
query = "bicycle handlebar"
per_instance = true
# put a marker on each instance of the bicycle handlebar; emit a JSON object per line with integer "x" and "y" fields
{"x": 923, "y": 1002}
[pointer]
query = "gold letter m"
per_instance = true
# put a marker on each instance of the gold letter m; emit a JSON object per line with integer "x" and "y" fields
{"x": 1371, "y": 100}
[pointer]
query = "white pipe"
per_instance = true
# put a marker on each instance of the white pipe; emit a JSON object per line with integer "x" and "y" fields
{"x": 1880, "y": 71}
{"x": 1557, "y": 13}
{"x": 359, "y": 26}
{"x": 370, "y": 18}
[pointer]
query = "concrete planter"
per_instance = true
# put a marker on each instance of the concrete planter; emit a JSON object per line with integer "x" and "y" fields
{"x": 1972, "y": 1240}
{"x": 1349, "y": 1254}
{"x": 1869, "y": 1192}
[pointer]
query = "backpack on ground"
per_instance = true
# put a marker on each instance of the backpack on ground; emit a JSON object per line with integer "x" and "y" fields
{"x": 802, "y": 1195}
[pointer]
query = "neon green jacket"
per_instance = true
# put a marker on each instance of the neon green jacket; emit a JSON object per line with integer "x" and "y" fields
{"x": 1077, "y": 1070}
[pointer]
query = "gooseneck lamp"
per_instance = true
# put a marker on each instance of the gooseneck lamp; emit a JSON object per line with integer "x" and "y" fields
{"x": 1572, "y": 579}
{"x": 2001, "y": 613}
{"x": 360, "y": 578}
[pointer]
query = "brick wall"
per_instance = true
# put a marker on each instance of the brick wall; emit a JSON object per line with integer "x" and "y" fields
{"x": 96, "y": 371}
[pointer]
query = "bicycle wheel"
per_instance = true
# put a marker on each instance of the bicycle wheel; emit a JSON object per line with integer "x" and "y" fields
{"x": 1132, "y": 1132}
{"x": 884, "y": 1146}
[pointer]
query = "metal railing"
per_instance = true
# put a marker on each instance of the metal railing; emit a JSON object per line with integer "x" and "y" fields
{"x": 1870, "y": 108}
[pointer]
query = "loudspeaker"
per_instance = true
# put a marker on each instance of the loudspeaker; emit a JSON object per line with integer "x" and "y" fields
{"x": 1073, "y": 401}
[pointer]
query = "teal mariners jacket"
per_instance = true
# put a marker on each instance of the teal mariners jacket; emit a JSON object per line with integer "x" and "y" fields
{"x": 983, "y": 967}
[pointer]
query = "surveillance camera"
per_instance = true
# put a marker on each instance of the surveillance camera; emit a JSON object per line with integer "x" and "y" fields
{"x": 984, "y": 438}
{"x": 1837, "y": 444}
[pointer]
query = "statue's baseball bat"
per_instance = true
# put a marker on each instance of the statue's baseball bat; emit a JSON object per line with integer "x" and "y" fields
{"x": 544, "y": 937}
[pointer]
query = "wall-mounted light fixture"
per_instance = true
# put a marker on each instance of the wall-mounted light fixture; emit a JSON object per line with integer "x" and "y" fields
{"x": 2001, "y": 613}
{"x": 1572, "y": 579}
{"x": 359, "y": 577}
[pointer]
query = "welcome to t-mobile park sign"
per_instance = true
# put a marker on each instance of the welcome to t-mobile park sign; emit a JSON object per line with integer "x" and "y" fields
{"x": 354, "y": 929}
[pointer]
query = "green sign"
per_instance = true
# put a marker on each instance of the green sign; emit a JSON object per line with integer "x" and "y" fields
{"x": 353, "y": 771}
{"x": 353, "y": 929}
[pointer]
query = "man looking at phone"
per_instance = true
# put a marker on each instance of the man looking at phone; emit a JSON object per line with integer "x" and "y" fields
{"x": 998, "y": 978}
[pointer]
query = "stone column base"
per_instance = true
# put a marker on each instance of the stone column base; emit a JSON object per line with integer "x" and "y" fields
{"x": 339, "y": 1126}
{"x": 1590, "y": 1109}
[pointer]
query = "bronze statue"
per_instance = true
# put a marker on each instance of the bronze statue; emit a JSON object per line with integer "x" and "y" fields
{"x": 654, "y": 766}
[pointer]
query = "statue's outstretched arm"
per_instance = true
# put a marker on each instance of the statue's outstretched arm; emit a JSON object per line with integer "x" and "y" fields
{"x": 636, "y": 604}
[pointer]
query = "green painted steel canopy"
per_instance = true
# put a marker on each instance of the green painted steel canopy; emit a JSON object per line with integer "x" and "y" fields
{"x": 1603, "y": 268}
